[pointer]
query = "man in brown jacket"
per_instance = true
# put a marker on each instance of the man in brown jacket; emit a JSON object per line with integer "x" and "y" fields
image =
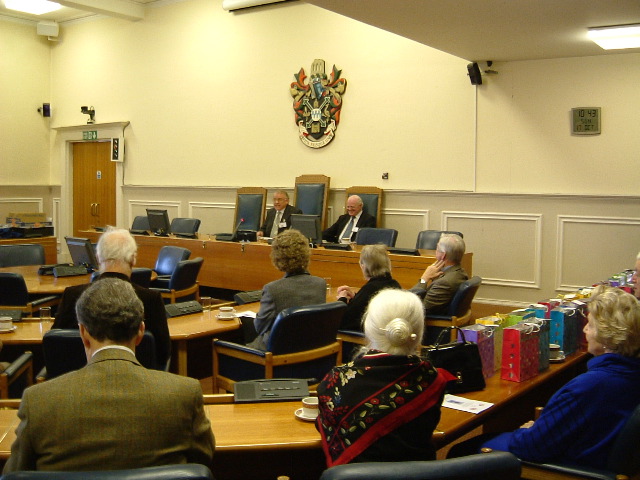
{"x": 113, "y": 413}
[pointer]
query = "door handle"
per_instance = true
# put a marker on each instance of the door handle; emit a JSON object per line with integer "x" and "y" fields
{"x": 97, "y": 209}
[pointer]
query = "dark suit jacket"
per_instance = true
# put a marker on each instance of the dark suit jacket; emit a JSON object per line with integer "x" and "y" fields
{"x": 111, "y": 414}
{"x": 155, "y": 316}
{"x": 352, "y": 318}
{"x": 271, "y": 215}
{"x": 331, "y": 234}
{"x": 441, "y": 290}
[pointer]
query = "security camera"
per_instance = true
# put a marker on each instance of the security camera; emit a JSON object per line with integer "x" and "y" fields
{"x": 89, "y": 111}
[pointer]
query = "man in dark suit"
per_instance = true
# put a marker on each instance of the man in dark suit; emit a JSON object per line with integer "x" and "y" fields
{"x": 347, "y": 225}
{"x": 113, "y": 413}
{"x": 278, "y": 218}
{"x": 116, "y": 252}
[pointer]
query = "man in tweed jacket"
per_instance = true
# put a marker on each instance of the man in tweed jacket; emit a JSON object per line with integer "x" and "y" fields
{"x": 113, "y": 413}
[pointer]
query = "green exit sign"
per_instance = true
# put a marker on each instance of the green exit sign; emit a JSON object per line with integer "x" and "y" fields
{"x": 90, "y": 135}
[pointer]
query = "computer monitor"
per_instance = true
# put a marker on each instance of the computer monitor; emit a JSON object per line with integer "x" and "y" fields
{"x": 159, "y": 222}
{"x": 82, "y": 252}
{"x": 309, "y": 226}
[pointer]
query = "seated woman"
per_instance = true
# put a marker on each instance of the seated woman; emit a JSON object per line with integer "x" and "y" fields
{"x": 289, "y": 254}
{"x": 384, "y": 405}
{"x": 581, "y": 420}
{"x": 376, "y": 269}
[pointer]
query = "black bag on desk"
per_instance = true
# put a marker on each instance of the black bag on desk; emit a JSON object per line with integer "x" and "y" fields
{"x": 462, "y": 359}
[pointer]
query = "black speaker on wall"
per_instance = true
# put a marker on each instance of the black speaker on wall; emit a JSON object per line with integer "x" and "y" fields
{"x": 474, "y": 73}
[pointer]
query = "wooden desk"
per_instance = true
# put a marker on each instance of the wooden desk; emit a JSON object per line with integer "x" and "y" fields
{"x": 247, "y": 266}
{"x": 50, "y": 245}
{"x": 46, "y": 284}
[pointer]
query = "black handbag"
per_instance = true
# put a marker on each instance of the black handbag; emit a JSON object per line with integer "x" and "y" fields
{"x": 462, "y": 359}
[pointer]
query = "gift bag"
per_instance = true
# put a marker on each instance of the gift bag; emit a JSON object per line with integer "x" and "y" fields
{"x": 544, "y": 336}
{"x": 482, "y": 336}
{"x": 496, "y": 324}
{"x": 520, "y": 353}
{"x": 564, "y": 328}
{"x": 462, "y": 359}
{"x": 550, "y": 304}
{"x": 582, "y": 313}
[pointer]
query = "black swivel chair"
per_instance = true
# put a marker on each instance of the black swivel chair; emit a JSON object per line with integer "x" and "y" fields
{"x": 140, "y": 224}
{"x": 186, "y": 471}
{"x": 485, "y": 466}
{"x": 14, "y": 295}
{"x": 185, "y": 227}
{"x": 373, "y": 236}
{"x": 168, "y": 258}
{"x": 183, "y": 283}
{"x": 22, "y": 254}
{"x": 428, "y": 239}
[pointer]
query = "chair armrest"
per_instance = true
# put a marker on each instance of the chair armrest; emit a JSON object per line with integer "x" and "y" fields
{"x": 437, "y": 317}
{"x": 17, "y": 364}
{"x": 160, "y": 290}
{"x": 42, "y": 375}
{"x": 238, "y": 347}
{"x": 579, "y": 471}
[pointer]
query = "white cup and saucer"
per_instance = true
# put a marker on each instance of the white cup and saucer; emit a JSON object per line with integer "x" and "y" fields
{"x": 6, "y": 325}
{"x": 226, "y": 313}
{"x": 556, "y": 355}
{"x": 309, "y": 410}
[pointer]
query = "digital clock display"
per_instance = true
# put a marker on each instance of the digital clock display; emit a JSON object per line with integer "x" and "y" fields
{"x": 585, "y": 121}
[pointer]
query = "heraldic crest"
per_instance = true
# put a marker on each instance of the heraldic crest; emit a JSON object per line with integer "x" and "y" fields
{"x": 317, "y": 104}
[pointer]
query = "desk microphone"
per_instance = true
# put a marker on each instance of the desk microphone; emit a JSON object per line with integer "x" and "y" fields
{"x": 235, "y": 230}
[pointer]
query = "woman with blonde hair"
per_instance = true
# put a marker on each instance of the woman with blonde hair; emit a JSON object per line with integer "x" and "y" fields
{"x": 384, "y": 405}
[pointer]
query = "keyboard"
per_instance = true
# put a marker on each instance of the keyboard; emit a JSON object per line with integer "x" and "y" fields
{"x": 270, "y": 390}
{"x": 336, "y": 246}
{"x": 186, "y": 235}
{"x": 182, "y": 308}
{"x": 247, "y": 297}
{"x": 404, "y": 251}
{"x": 138, "y": 232}
{"x": 69, "y": 270}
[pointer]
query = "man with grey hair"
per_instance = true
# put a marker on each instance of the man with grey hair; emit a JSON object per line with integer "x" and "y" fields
{"x": 441, "y": 280}
{"x": 347, "y": 225}
{"x": 278, "y": 218}
{"x": 116, "y": 252}
{"x": 113, "y": 413}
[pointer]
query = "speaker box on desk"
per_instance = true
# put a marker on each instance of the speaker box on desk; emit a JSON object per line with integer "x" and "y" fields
{"x": 474, "y": 73}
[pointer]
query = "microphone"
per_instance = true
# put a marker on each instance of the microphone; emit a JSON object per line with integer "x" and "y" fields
{"x": 235, "y": 230}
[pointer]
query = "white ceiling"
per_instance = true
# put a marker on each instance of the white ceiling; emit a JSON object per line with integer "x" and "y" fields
{"x": 475, "y": 30}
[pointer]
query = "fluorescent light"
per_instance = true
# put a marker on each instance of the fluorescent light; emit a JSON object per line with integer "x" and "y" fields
{"x": 616, "y": 37}
{"x": 35, "y": 7}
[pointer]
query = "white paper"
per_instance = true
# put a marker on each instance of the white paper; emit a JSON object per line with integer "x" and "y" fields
{"x": 247, "y": 314}
{"x": 464, "y": 404}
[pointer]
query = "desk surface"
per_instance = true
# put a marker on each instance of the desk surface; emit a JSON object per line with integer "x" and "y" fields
{"x": 46, "y": 284}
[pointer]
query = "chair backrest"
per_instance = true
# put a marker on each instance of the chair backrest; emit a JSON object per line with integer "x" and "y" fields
{"x": 141, "y": 276}
{"x": 13, "y": 289}
{"x": 311, "y": 194}
{"x": 250, "y": 206}
{"x": 428, "y": 239}
{"x": 186, "y": 471}
{"x": 486, "y": 466}
{"x": 185, "y": 274}
{"x": 461, "y": 301}
{"x": 373, "y": 236}
{"x": 305, "y": 328}
{"x": 140, "y": 222}
{"x": 22, "y": 254}
{"x": 623, "y": 457}
{"x": 64, "y": 351}
{"x": 187, "y": 226}
{"x": 371, "y": 200}
{"x": 168, "y": 258}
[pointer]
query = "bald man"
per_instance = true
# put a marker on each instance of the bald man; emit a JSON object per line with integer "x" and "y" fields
{"x": 347, "y": 225}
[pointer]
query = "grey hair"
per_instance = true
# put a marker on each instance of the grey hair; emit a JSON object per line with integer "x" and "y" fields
{"x": 116, "y": 245}
{"x": 110, "y": 310}
{"x": 394, "y": 322}
{"x": 375, "y": 260}
{"x": 453, "y": 245}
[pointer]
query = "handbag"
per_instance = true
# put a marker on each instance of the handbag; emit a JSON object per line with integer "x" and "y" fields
{"x": 462, "y": 359}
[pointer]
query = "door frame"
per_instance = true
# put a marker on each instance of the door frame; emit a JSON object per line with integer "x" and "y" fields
{"x": 63, "y": 150}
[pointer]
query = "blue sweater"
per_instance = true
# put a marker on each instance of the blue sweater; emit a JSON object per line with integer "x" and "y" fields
{"x": 583, "y": 418}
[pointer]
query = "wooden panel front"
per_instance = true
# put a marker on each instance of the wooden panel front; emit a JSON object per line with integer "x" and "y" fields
{"x": 50, "y": 245}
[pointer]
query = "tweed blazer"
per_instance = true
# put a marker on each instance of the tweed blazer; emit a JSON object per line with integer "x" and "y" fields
{"x": 294, "y": 290}
{"x": 271, "y": 215}
{"x": 155, "y": 316}
{"x": 111, "y": 414}
{"x": 331, "y": 234}
{"x": 441, "y": 290}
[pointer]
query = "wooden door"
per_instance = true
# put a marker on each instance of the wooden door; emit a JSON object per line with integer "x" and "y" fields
{"x": 94, "y": 192}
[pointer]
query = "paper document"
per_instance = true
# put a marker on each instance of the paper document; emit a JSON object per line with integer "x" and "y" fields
{"x": 464, "y": 404}
{"x": 246, "y": 314}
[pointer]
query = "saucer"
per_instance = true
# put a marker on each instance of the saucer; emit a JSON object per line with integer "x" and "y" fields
{"x": 304, "y": 417}
{"x": 560, "y": 359}
{"x": 232, "y": 317}
{"x": 8, "y": 330}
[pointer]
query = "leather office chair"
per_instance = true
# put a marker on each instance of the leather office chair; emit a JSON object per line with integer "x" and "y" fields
{"x": 186, "y": 471}
{"x": 64, "y": 352}
{"x": 428, "y": 239}
{"x": 485, "y": 466}
{"x": 310, "y": 195}
{"x": 168, "y": 258}
{"x": 185, "y": 226}
{"x": 22, "y": 367}
{"x": 373, "y": 236}
{"x": 302, "y": 344}
{"x": 15, "y": 296}
{"x": 458, "y": 314}
{"x": 141, "y": 276}
{"x": 250, "y": 206}
{"x": 183, "y": 283}
{"x": 23, "y": 254}
{"x": 140, "y": 223}
{"x": 371, "y": 200}
{"x": 623, "y": 461}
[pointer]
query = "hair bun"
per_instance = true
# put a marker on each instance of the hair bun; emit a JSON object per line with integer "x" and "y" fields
{"x": 398, "y": 332}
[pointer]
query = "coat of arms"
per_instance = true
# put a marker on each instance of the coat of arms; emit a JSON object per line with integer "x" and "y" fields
{"x": 317, "y": 104}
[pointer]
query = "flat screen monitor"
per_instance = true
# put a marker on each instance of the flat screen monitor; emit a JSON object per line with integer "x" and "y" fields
{"x": 309, "y": 226}
{"x": 159, "y": 222}
{"x": 82, "y": 252}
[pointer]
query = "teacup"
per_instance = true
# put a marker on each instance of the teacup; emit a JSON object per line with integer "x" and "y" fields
{"x": 6, "y": 323}
{"x": 310, "y": 407}
{"x": 555, "y": 352}
{"x": 226, "y": 312}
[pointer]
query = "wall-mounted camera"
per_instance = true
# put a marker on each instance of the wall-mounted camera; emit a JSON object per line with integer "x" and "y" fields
{"x": 89, "y": 111}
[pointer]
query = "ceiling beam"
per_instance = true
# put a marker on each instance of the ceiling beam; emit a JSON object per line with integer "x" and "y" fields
{"x": 112, "y": 8}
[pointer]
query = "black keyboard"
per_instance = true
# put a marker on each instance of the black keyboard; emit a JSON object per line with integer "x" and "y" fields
{"x": 224, "y": 237}
{"x": 404, "y": 251}
{"x": 138, "y": 232}
{"x": 247, "y": 297}
{"x": 270, "y": 390}
{"x": 69, "y": 270}
{"x": 336, "y": 246}
{"x": 182, "y": 308}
